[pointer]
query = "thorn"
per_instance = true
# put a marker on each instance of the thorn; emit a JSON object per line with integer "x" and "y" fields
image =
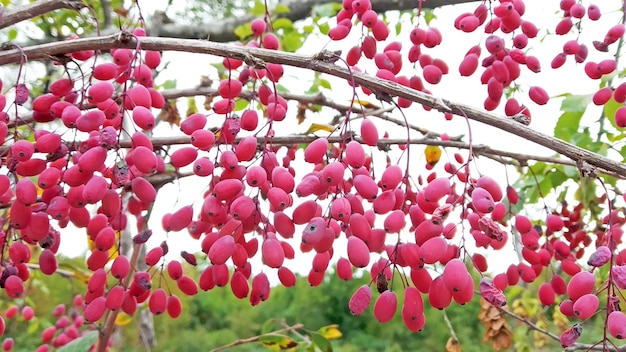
{"x": 585, "y": 169}
{"x": 440, "y": 102}
{"x": 328, "y": 56}
{"x": 521, "y": 118}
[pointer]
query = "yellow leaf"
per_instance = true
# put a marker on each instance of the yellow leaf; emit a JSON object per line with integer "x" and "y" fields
{"x": 365, "y": 104}
{"x": 90, "y": 244}
{"x": 453, "y": 345}
{"x": 277, "y": 342}
{"x": 113, "y": 251}
{"x": 330, "y": 332}
{"x": 320, "y": 127}
{"x": 433, "y": 154}
{"x": 122, "y": 319}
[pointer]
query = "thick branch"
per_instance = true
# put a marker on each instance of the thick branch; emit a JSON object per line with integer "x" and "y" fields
{"x": 383, "y": 89}
{"x": 512, "y": 158}
{"x": 224, "y": 30}
{"x": 38, "y": 8}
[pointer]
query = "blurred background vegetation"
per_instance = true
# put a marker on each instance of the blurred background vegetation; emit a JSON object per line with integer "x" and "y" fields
{"x": 216, "y": 318}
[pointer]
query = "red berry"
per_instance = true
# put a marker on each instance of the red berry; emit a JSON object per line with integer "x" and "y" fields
{"x": 586, "y": 306}
{"x": 602, "y": 96}
{"x": 620, "y": 117}
{"x": 95, "y": 310}
{"x": 581, "y": 284}
{"x": 386, "y": 306}
{"x": 174, "y": 307}
{"x": 616, "y": 324}
{"x": 258, "y": 27}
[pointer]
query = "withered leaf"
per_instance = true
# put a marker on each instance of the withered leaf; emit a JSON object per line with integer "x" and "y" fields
{"x": 169, "y": 113}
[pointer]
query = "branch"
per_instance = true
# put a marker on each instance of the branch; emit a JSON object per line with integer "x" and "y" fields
{"x": 575, "y": 347}
{"x": 318, "y": 63}
{"x": 516, "y": 159}
{"x": 105, "y": 333}
{"x": 63, "y": 273}
{"x": 38, "y": 8}
{"x": 224, "y": 30}
{"x": 256, "y": 338}
{"x": 106, "y": 13}
{"x": 318, "y": 99}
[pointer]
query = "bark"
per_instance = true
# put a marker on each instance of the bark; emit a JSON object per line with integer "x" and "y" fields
{"x": 38, "y": 8}
{"x": 223, "y": 30}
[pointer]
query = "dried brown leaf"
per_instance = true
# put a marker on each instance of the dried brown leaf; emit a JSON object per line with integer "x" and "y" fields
{"x": 301, "y": 114}
{"x": 453, "y": 345}
{"x": 208, "y": 100}
{"x": 169, "y": 113}
{"x": 498, "y": 324}
{"x": 122, "y": 12}
{"x": 503, "y": 340}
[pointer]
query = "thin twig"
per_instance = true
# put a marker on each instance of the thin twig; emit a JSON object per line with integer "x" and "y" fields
{"x": 109, "y": 325}
{"x": 256, "y": 338}
{"x": 449, "y": 324}
{"x": 317, "y": 99}
{"x": 64, "y": 273}
{"x": 575, "y": 347}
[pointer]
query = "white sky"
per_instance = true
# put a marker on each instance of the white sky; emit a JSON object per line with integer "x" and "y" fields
{"x": 466, "y": 90}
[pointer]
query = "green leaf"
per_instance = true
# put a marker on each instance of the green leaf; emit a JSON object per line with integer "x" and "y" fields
{"x": 258, "y": 8}
{"x": 567, "y": 125}
{"x": 281, "y": 8}
{"x": 557, "y": 177}
{"x": 614, "y": 138}
{"x": 326, "y": 10}
{"x": 243, "y": 31}
{"x": 81, "y": 344}
{"x": 325, "y": 83}
{"x": 33, "y": 326}
{"x": 277, "y": 342}
{"x": 583, "y": 139}
{"x": 513, "y": 291}
{"x": 169, "y": 84}
{"x": 545, "y": 186}
{"x": 219, "y": 66}
{"x": 308, "y": 28}
{"x": 398, "y": 28}
{"x": 609, "y": 110}
{"x": 429, "y": 15}
{"x": 570, "y": 171}
{"x": 282, "y": 23}
{"x": 320, "y": 341}
{"x": 241, "y": 104}
{"x": 292, "y": 41}
{"x": 575, "y": 103}
{"x": 282, "y": 89}
{"x": 269, "y": 326}
{"x": 324, "y": 27}
{"x": 12, "y": 34}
